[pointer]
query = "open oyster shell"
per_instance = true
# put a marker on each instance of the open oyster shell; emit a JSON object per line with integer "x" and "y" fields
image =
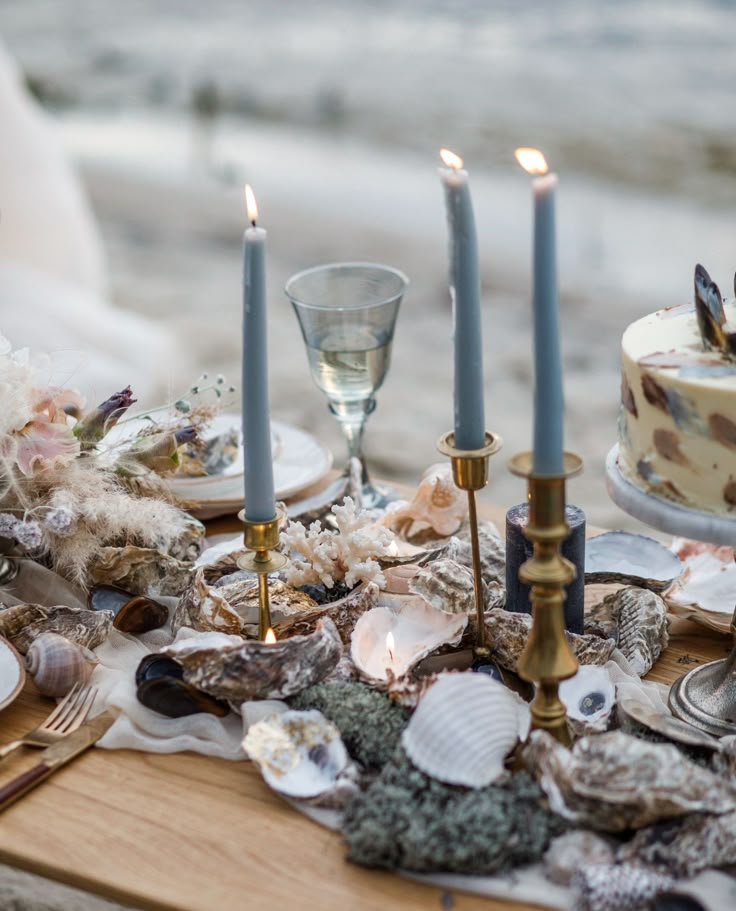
{"x": 417, "y": 630}
{"x": 259, "y": 670}
{"x": 589, "y": 698}
{"x": 632, "y": 716}
{"x": 140, "y": 570}
{"x": 22, "y": 623}
{"x": 612, "y": 782}
{"x": 463, "y": 729}
{"x": 446, "y": 586}
{"x": 620, "y": 556}
{"x": 641, "y": 619}
{"x": 300, "y": 754}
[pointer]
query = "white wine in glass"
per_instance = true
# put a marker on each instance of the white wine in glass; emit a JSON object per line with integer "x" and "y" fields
{"x": 347, "y": 313}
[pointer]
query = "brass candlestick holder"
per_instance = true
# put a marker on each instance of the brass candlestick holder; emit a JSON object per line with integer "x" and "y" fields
{"x": 261, "y": 538}
{"x": 547, "y": 658}
{"x": 470, "y": 469}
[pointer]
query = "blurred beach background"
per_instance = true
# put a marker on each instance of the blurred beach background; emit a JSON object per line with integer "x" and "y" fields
{"x": 335, "y": 112}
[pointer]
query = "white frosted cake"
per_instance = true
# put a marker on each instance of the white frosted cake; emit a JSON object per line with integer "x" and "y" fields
{"x": 677, "y": 430}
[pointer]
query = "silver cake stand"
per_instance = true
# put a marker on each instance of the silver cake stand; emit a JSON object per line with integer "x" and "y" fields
{"x": 706, "y": 696}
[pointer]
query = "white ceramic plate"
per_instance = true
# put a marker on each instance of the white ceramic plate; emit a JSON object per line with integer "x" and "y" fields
{"x": 12, "y": 673}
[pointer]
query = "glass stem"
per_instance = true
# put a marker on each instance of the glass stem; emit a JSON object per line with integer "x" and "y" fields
{"x": 352, "y": 417}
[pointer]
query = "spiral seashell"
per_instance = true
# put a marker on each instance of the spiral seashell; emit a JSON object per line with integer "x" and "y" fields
{"x": 56, "y": 664}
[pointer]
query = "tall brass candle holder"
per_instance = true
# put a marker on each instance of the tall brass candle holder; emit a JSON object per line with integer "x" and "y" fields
{"x": 547, "y": 658}
{"x": 470, "y": 470}
{"x": 260, "y": 538}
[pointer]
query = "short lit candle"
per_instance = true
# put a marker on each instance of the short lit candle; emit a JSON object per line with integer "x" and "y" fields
{"x": 260, "y": 503}
{"x": 548, "y": 399}
{"x": 465, "y": 292}
{"x": 270, "y": 636}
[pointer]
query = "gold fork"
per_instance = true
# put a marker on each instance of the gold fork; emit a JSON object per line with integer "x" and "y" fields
{"x": 66, "y": 717}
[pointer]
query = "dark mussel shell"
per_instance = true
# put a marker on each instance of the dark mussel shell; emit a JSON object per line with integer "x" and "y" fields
{"x": 161, "y": 688}
{"x": 133, "y": 613}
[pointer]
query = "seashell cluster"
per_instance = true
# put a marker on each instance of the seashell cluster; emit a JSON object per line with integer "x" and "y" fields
{"x": 299, "y": 754}
{"x": 464, "y": 728}
{"x": 131, "y": 613}
{"x": 57, "y": 664}
{"x": 22, "y": 623}
{"x": 509, "y": 631}
{"x": 438, "y": 506}
{"x": 641, "y": 617}
{"x": 612, "y": 782}
{"x": 390, "y": 642}
{"x": 139, "y": 569}
{"x": 620, "y": 556}
{"x": 589, "y": 698}
{"x": 230, "y": 605}
{"x": 160, "y": 686}
{"x": 262, "y": 670}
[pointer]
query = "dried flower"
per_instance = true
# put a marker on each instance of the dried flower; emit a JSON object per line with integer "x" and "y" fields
{"x": 95, "y": 424}
{"x": 60, "y": 521}
{"x": 28, "y": 533}
{"x": 8, "y": 524}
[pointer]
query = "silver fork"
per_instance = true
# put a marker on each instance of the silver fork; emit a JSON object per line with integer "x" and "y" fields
{"x": 68, "y": 715}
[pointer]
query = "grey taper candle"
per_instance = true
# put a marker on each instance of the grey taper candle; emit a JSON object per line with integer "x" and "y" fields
{"x": 518, "y": 550}
{"x": 260, "y": 502}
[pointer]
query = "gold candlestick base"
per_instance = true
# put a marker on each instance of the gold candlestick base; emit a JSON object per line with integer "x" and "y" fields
{"x": 470, "y": 469}
{"x": 261, "y": 538}
{"x": 547, "y": 658}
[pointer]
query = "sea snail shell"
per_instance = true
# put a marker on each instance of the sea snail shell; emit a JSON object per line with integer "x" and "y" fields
{"x": 56, "y": 664}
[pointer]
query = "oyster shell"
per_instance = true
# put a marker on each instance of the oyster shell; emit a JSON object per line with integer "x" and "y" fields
{"x": 704, "y": 592}
{"x": 617, "y": 887}
{"x": 57, "y": 664}
{"x": 684, "y": 847}
{"x": 417, "y": 630}
{"x": 140, "y": 570}
{"x": 300, "y": 754}
{"x": 260, "y": 670}
{"x": 641, "y": 617}
{"x": 620, "y": 556}
{"x": 189, "y": 542}
{"x": 231, "y": 604}
{"x": 463, "y": 729}
{"x": 589, "y": 698}
{"x": 22, "y": 623}
{"x": 492, "y": 552}
{"x": 344, "y": 613}
{"x": 569, "y": 852}
{"x": 509, "y": 631}
{"x": 446, "y": 586}
{"x": 633, "y": 716}
{"x": 612, "y": 782}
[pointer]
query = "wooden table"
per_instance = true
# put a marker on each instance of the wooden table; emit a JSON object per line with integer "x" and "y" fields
{"x": 184, "y": 832}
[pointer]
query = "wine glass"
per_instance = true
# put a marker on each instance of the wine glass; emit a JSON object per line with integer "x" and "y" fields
{"x": 347, "y": 313}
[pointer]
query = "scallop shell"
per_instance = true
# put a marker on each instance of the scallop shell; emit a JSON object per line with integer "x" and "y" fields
{"x": 300, "y": 754}
{"x": 56, "y": 664}
{"x": 22, "y": 623}
{"x": 140, "y": 570}
{"x": 231, "y": 604}
{"x": 509, "y": 631}
{"x": 569, "y": 852}
{"x": 612, "y": 782}
{"x": 417, "y": 630}
{"x": 589, "y": 698}
{"x": 620, "y": 556}
{"x": 446, "y": 586}
{"x": 684, "y": 847}
{"x": 642, "y": 621}
{"x": 463, "y": 729}
{"x": 260, "y": 670}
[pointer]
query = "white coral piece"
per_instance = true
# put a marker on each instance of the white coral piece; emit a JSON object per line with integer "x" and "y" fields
{"x": 349, "y": 554}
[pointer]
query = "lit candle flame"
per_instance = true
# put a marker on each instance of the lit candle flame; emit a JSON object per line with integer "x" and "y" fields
{"x": 451, "y": 159}
{"x": 532, "y": 160}
{"x": 250, "y": 204}
{"x": 390, "y": 645}
{"x": 270, "y": 636}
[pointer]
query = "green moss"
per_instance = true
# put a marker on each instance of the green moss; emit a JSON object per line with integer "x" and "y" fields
{"x": 405, "y": 819}
{"x": 369, "y": 722}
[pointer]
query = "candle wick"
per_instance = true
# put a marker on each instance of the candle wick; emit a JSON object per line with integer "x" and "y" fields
{"x": 253, "y": 222}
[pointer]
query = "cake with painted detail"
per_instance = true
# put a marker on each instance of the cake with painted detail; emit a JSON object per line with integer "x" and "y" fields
{"x": 677, "y": 426}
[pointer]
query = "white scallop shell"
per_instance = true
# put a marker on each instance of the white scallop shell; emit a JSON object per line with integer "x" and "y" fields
{"x": 417, "y": 630}
{"x": 300, "y": 754}
{"x": 589, "y": 698}
{"x": 464, "y": 728}
{"x": 56, "y": 664}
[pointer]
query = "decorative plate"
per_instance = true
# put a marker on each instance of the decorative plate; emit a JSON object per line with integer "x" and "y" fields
{"x": 12, "y": 673}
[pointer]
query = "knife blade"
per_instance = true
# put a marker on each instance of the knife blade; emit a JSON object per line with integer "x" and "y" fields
{"x": 59, "y": 754}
